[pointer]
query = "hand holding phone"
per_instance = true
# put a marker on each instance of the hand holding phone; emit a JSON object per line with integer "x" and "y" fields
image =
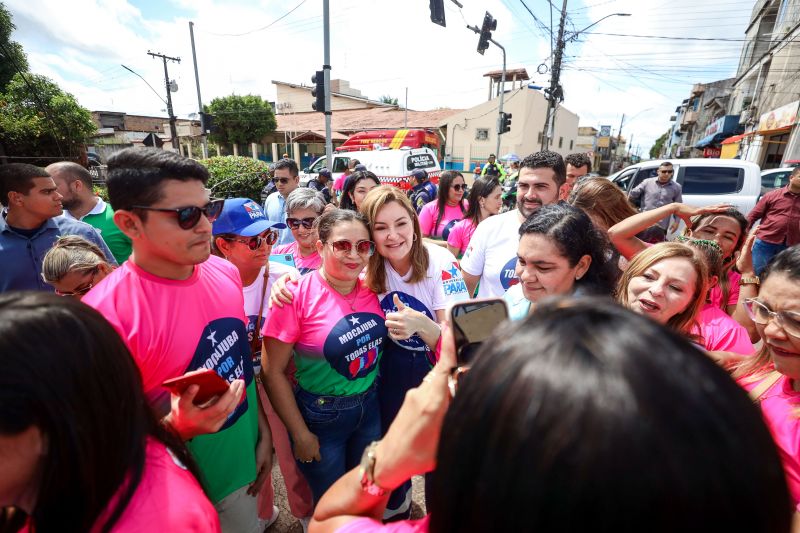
{"x": 474, "y": 321}
{"x": 210, "y": 383}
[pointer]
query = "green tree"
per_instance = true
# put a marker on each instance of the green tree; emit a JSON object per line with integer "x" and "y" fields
{"x": 386, "y": 99}
{"x": 655, "y": 150}
{"x": 12, "y": 57}
{"x": 37, "y": 118}
{"x": 236, "y": 176}
{"x": 241, "y": 119}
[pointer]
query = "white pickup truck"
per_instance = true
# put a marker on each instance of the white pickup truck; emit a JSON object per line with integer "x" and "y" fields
{"x": 704, "y": 181}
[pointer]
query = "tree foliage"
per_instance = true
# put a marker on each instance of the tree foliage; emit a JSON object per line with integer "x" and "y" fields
{"x": 386, "y": 99}
{"x": 12, "y": 57}
{"x": 655, "y": 150}
{"x": 241, "y": 119}
{"x": 37, "y": 118}
{"x": 236, "y": 176}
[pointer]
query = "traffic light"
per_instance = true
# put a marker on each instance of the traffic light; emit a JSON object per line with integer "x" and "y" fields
{"x": 207, "y": 123}
{"x": 489, "y": 25}
{"x": 318, "y": 92}
{"x": 503, "y": 123}
{"x": 437, "y": 12}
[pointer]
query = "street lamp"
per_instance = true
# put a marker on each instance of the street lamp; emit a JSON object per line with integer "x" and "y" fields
{"x": 555, "y": 93}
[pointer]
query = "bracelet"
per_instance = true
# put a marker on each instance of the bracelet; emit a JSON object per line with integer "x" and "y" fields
{"x": 368, "y": 484}
{"x": 750, "y": 280}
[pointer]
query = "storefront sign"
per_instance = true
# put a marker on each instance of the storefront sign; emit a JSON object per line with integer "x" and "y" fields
{"x": 711, "y": 152}
{"x": 605, "y": 131}
{"x": 783, "y": 117}
{"x": 602, "y": 142}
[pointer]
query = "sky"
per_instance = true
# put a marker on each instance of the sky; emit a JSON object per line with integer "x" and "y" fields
{"x": 383, "y": 47}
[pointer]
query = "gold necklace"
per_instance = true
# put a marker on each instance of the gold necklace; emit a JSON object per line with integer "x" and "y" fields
{"x": 352, "y": 302}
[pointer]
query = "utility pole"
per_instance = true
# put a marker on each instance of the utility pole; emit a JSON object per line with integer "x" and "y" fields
{"x": 203, "y": 138}
{"x": 619, "y": 138}
{"x": 174, "y": 133}
{"x": 555, "y": 94}
{"x": 326, "y": 68}
{"x": 405, "y": 119}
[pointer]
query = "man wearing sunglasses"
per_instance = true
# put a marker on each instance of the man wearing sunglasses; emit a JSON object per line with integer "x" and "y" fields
{"x": 179, "y": 310}
{"x": 32, "y": 225}
{"x": 286, "y": 180}
{"x": 656, "y": 192}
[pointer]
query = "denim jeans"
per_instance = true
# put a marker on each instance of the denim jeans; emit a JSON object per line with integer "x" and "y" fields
{"x": 763, "y": 252}
{"x": 400, "y": 371}
{"x": 345, "y": 426}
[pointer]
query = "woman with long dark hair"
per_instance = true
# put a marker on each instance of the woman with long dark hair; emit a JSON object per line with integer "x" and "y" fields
{"x": 545, "y": 433}
{"x": 80, "y": 450}
{"x": 438, "y": 217}
{"x": 485, "y": 200}
{"x": 356, "y": 187}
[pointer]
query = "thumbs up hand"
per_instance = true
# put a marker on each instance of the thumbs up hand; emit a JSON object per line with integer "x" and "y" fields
{"x": 404, "y": 321}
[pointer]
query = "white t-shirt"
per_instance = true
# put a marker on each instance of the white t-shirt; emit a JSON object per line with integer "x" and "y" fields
{"x": 252, "y": 301}
{"x": 492, "y": 254}
{"x": 443, "y": 285}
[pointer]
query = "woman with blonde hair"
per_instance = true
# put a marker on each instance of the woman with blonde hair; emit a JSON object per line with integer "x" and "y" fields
{"x": 668, "y": 283}
{"x": 604, "y": 202}
{"x": 74, "y": 265}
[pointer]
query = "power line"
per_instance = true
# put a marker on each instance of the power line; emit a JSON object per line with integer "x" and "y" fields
{"x": 263, "y": 27}
{"x": 718, "y": 39}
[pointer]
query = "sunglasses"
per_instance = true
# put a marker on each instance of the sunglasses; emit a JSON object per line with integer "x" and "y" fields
{"x": 254, "y": 243}
{"x": 666, "y": 171}
{"x": 363, "y": 247}
{"x": 80, "y": 291}
{"x": 761, "y": 315}
{"x": 283, "y": 181}
{"x": 188, "y": 217}
{"x": 459, "y": 186}
{"x": 295, "y": 223}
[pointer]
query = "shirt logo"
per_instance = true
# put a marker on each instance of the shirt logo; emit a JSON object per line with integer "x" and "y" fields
{"x": 508, "y": 276}
{"x": 355, "y": 344}
{"x": 448, "y": 227}
{"x": 452, "y": 281}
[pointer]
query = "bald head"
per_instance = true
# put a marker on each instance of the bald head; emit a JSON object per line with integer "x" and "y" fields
{"x": 75, "y": 185}
{"x": 70, "y": 172}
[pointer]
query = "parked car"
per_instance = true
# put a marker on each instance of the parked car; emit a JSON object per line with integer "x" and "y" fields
{"x": 775, "y": 178}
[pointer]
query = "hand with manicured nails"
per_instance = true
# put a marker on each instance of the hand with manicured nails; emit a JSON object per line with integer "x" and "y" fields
{"x": 189, "y": 420}
{"x": 405, "y": 322}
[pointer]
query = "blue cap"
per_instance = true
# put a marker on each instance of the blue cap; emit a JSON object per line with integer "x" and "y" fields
{"x": 360, "y": 168}
{"x": 243, "y": 216}
{"x": 325, "y": 172}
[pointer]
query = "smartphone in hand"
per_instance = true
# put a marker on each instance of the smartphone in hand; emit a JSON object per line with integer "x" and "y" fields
{"x": 210, "y": 383}
{"x": 472, "y": 322}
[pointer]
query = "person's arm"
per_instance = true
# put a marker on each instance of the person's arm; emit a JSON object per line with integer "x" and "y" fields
{"x": 427, "y": 219}
{"x": 757, "y": 212}
{"x": 636, "y": 192}
{"x": 674, "y": 221}
{"x": 471, "y": 281}
{"x": 263, "y": 449}
{"x": 275, "y": 357}
{"x": 748, "y": 290}
{"x": 408, "y": 448}
{"x": 453, "y": 249}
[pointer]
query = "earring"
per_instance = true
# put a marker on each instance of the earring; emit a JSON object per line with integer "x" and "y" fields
{"x": 414, "y": 239}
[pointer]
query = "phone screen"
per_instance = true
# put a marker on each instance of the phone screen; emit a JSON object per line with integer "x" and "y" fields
{"x": 285, "y": 259}
{"x": 473, "y": 322}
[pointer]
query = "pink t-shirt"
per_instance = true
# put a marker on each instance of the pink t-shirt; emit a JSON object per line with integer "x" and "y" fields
{"x": 368, "y": 525}
{"x": 460, "y": 235}
{"x": 427, "y": 219}
{"x": 168, "y": 498}
{"x": 303, "y": 264}
{"x": 778, "y": 406}
{"x": 174, "y": 326}
{"x": 338, "y": 183}
{"x": 715, "y": 294}
{"x": 722, "y": 333}
{"x": 338, "y": 340}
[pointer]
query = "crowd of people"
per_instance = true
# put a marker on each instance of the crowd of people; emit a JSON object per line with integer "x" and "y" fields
{"x": 644, "y": 380}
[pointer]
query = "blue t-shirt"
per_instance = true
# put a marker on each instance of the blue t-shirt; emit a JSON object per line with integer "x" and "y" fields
{"x": 23, "y": 252}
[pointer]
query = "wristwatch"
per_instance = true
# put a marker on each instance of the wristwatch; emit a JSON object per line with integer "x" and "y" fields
{"x": 368, "y": 484}
{"x": 750, "y": 280}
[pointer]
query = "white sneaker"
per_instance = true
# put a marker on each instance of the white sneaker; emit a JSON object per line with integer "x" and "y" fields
{"x": 264, "y": 524}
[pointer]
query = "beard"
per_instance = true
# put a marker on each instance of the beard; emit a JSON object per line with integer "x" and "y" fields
{"x": 70, "y": 203}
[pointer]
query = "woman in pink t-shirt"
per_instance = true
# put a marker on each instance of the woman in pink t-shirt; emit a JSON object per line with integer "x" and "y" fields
{"x": 545, "y": 432}
{"x": 773, "y": 376}
{"x": 79, "y": 448}
{"x": 303, "y": 207}
{"x": 485, "y": 200}
{"x": 438, "y": 217}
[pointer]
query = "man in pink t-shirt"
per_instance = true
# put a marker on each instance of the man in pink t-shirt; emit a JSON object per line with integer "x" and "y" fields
{"x": 179, "y": 310}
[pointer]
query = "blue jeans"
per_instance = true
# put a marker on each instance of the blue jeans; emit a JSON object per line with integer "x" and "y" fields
{"x": 400, "y": 371}
{"x": 345, "y": 426}
{"x": 763, "y": 252}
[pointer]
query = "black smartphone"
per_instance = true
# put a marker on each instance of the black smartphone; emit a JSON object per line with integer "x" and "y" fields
{"x": 473, "y": 321}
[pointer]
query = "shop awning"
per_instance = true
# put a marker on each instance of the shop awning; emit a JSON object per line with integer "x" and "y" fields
{"x": 737, "y": 138}
{"x": 710, "y": 140}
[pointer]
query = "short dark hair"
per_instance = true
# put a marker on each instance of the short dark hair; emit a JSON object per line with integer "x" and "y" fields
{"x": 571, "y": 231}
{"x": 665, "y": 164}
{"x": 136, "y": 175}
{"x": 291, "y": 164}
{"x": 547, "y": 159}
{"x": 550, "y": 420}
{"x": 325, "y": 223}
{"x": 76, "y": 172}
{"x": 579, "y": 160}
{"x": 18, "y": 177}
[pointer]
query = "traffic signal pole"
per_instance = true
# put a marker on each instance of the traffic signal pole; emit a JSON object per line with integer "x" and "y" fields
{"x": 326, "y": 67}
{"x": 500, "y": 121}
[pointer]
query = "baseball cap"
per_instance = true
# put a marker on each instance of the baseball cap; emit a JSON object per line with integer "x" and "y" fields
{"x": 325, "y": 172}
{"x": 420, "y": 173}
{"x": 360, "y": 167}
{"x": 243, "y": 216}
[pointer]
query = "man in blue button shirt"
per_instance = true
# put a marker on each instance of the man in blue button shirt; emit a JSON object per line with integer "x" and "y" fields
{"x": 31, "y": 225}
{"x": 286, "y": 180}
